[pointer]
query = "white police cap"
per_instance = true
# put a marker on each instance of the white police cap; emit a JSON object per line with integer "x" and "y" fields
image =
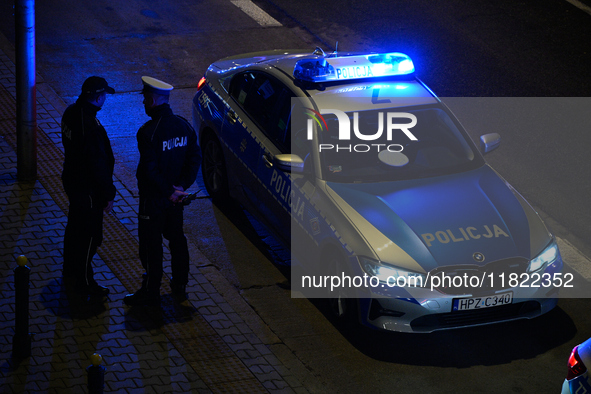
{"x": 156, "y": 86}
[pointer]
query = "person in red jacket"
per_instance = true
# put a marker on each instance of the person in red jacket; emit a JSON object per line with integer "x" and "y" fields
{"x": 87, "y": 178}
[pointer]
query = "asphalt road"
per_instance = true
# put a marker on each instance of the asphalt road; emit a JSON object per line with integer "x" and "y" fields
{"x": 506, "y": 66}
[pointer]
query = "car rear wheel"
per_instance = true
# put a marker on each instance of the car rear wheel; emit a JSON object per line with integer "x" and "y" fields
{"x": 215, "y": 175}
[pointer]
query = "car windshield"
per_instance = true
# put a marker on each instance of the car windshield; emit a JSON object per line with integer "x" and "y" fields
{"x": 415, "y": 142}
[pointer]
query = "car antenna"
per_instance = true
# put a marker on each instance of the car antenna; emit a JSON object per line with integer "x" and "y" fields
{"x": 319, "y": 52}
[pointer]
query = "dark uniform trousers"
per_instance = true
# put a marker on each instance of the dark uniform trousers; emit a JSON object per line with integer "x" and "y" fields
{"x": 157, "y": 218}
{"x": 83, "y": 235}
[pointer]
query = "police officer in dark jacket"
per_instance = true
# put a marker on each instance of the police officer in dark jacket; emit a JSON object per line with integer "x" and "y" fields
{"x": 87, "y": 178}
{"x": 169, "y": 162}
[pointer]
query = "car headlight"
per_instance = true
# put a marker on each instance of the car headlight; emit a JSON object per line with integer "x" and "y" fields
{"x": 391, "y": 275}
{"x": 547, "y": 256}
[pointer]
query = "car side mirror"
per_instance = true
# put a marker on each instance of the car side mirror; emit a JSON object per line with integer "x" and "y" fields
{"x": 489, "y": 142}
{"x": 289, "y": 163}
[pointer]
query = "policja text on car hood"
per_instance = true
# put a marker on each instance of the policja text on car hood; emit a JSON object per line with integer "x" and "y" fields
{"x": 446, "y": 220}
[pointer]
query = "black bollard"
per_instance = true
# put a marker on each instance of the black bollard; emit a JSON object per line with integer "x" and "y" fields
{"x": 96, "y": 375}
{"x": 21, "y": 342}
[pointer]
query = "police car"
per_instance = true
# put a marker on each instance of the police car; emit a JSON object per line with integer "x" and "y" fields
{"x": 387, "y": 205}
{"x": 577, "y": 378}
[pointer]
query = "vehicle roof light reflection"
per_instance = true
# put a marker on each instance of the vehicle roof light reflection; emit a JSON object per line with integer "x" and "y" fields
{"x": 324, "y": 69}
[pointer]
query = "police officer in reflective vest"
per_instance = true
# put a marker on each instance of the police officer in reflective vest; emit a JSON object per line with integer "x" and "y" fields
{"x": 169, "y": 162}
{"x": 87, "y": 178}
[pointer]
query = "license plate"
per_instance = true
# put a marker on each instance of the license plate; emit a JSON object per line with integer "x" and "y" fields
{"x": 471, "y": 303}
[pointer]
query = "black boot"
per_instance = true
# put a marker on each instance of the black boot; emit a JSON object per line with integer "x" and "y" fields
{"x": 93, "y": 289}
{"x": 179, "y": 291}
{"x": 142, "y": 297}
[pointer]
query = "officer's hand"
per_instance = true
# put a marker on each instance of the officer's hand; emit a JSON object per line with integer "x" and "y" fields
{"x": 109, "y": 206}
{"x": 178, "y": 195}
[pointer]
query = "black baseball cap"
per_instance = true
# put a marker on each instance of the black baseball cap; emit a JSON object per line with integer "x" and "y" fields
{"x": 94, "y": 85}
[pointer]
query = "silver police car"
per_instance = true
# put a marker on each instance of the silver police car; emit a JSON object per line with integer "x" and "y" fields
{"x": 388, "y": 207}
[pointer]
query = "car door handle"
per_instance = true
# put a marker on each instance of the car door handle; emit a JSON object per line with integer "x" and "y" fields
{"x": 232, "y": 117}
{"x": 268, "y": 161}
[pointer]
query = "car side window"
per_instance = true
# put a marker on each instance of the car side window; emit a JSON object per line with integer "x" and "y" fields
{"x": 300, "y": 145}
{"x": 281, "y": 128}
{"x": 240, "y": 86}
{"x": 267, "y": 102}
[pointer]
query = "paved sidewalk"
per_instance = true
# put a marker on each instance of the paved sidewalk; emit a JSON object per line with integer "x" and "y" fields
{"x": 213, "y": 343}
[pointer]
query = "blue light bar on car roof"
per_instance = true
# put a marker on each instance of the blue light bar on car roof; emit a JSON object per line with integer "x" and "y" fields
{"x": 325, "y": 69}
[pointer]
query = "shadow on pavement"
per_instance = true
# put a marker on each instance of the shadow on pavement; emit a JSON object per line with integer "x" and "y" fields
{"x": 62, "y": 302}
{"x": 146, "y": 318}
{"x": 494, "y": 344}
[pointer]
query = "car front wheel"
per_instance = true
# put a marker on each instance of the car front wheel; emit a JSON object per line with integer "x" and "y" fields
{"x": 341, "y": 302}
